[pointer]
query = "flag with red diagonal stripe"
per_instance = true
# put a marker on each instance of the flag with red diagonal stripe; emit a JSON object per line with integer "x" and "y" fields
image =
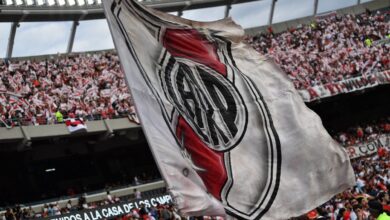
{"x": 229, "y": 132}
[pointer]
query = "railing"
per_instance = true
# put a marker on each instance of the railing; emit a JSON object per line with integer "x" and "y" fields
{"x": 65, "y": 3}
{"x": 42, "y": 120}
{"x": 124, "y": 192}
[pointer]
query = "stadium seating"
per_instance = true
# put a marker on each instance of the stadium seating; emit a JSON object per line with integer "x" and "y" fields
{"x": 92, "y": 86}
{"x": 89, "y": 86}
{"x": 330, "y": 49}
{"x": 363, "y": 133}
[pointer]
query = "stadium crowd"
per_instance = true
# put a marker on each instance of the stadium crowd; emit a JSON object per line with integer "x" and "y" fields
{"x": 158, "y": 212}
{"x": 365, "y": 201}
{"x": 330, "y": 49}
{"x": 89, "y": 86}
{"x": 372, "y": 188}
{"x": 54, "y": 209}
{"x": 368, "y": 198}
{"x": 363, "y": 133}
{"x": 50, "y": 209}
{"x": 92, "y": 86}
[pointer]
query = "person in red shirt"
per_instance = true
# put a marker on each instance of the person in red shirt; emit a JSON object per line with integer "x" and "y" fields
{"x": 312, "y": 214}
{"x": 71, "y": 115}
{"x": 359, "y": 132}
{"x": 347, "y": 215}
{"x": 382, "y": 152}
{"x": 104, "y": 114}
{"x": 36, "y": 83}
{"x": 382, "y": 186}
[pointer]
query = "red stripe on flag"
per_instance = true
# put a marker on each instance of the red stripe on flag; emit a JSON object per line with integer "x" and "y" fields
{"x": 215, "y": 174}
{"x": 190, "y": 44}
{"x": 74, "y": 122}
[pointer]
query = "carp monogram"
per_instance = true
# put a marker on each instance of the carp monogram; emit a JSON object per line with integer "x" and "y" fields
{"x": 214, "y": 111}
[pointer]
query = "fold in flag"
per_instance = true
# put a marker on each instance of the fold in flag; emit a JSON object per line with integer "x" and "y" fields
{"x": 75, "y": 125}
{"x": 229, "y": 132}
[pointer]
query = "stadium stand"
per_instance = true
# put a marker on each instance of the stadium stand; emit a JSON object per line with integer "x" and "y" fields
{"x": 377, "y": 132}
{"x": 316, "y": 52}
{"x": 372, "y": 187}
{"x": 89, "y": 86}
{"x": 330, "y": 49}
{"x": 363, "y": 133}
{"x": 60, "y": 169}
{"x": 94, "y": 201}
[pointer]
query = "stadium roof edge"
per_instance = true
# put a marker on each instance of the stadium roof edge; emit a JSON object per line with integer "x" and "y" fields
{"x": 17, "y": 14}
{"x": 284, "y": 25}
{"x": 22, "y": 13}
{"x": 277, "y": 27}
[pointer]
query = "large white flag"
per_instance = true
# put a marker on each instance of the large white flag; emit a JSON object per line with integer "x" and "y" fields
{"x": 228, "y": 130}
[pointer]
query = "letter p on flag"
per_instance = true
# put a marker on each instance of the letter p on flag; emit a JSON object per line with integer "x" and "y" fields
{"x": 230, "y": 134}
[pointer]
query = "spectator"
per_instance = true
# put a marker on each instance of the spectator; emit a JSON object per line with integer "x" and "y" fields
{"x": 136, "y": 180}
{"x": 109, "y": 198}
{"x": 165, "y": 214}
{"x": 69, "y": 205}
{"x": 9, "y": 214}
{"x": 376, "y": 210}
{"x": 356, "y": 135}
{"x": 137, "y": 194}
{"x": 143, "y": 212}
{"x": 81, "y": 203}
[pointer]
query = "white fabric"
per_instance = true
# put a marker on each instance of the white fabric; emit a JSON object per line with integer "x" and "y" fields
{"x": 313, "y": 167}
{"x": 76, "y": 128}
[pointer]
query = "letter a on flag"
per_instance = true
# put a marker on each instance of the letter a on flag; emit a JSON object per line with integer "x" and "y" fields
{"x": 229, "y": 132}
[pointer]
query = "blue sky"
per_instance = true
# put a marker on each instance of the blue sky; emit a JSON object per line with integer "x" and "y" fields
{"x": 36, "y": 38}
